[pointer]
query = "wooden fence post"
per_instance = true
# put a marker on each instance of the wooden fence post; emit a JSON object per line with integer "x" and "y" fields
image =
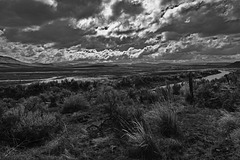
{"x": 191, "y": 87}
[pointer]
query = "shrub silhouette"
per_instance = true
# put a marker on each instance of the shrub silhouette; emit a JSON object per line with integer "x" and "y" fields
{"x": 75, "y": 103}
{"x": 176, "y": 89}
{"x": 148, "y": 96}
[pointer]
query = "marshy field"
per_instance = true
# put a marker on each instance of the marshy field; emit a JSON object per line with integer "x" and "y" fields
{"x": 120, "y": 112}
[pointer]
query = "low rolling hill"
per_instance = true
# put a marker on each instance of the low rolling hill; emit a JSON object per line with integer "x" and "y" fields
{"x": 234, "y": 65}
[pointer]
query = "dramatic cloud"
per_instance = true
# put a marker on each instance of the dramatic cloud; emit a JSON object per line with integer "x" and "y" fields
{"x": 59, "y": 30}
{"x": 127, "y": 7}
{"x": 14, "y": 13}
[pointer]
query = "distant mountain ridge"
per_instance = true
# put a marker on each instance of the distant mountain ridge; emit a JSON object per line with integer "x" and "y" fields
{"x": 7, "y": 60}
{"x": 234, "y": 65}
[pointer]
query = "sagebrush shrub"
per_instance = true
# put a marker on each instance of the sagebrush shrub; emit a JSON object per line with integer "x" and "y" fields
{"x": 8, "y": 103}
{"x": 148, "y": 96}
{"x": 235, "y": 137}
{"x": 33, "y": 103}
{"x": 230, "y": 100}
{"x": 228, "y": 123}
{"x": 112, "y": 98}
{"x": 215, "y": 95}
{"x": 207, "y": 97}
{"x": 109, "y": 95}
{"x": 26, "y": 128}
{"x": 75, "y": 103}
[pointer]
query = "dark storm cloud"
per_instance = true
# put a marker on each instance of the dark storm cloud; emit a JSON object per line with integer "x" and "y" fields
{"x": 101, "y": 43}
{"x": 126, "y": 6}
{"x": 236, "y": 9}
{"x": 177, "y": 56}
{"x": 15, "y": 13}
{"x": 78, "y": 8}
{"x": 20, "y": 13}
{"x": 60, "y": 32}
{"x": 165, "y": 2}
{"x": 64, "y": 34}
{"x": 224, "y": 51}
{"x": 129, "y": 31}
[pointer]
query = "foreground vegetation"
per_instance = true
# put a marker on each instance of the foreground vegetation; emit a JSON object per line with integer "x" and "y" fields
{"x": 123, "y": 119}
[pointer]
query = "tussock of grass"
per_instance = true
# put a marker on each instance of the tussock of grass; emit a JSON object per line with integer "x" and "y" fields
{"x": 155, "y": 136}
{"x": 164, "y": 94}
{"x": 150, "y": 146}
{"x": 163, "y": 121}
{"x": 142, "y": 138}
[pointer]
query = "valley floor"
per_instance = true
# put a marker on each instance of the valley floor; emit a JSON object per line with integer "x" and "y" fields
{"x": 110, "y": 122}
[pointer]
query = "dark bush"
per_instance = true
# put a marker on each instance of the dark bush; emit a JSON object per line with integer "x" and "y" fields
{"x": 176, "y": 89}
{"x": 214, "y": 95}
{"x": 75, "y": 103}
{"x": 147, "y": 96}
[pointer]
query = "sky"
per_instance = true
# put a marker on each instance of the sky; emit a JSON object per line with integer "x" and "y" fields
{"x": 48, "y": 31}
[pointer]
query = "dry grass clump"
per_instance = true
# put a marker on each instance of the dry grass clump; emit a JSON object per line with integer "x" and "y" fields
{"x": 122, "y": 118}
{"x": 165, "y": 94}
{"x": 163, "y": 120}
{"x": 143, "y": 140}
{"x": 156, "y": 135}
